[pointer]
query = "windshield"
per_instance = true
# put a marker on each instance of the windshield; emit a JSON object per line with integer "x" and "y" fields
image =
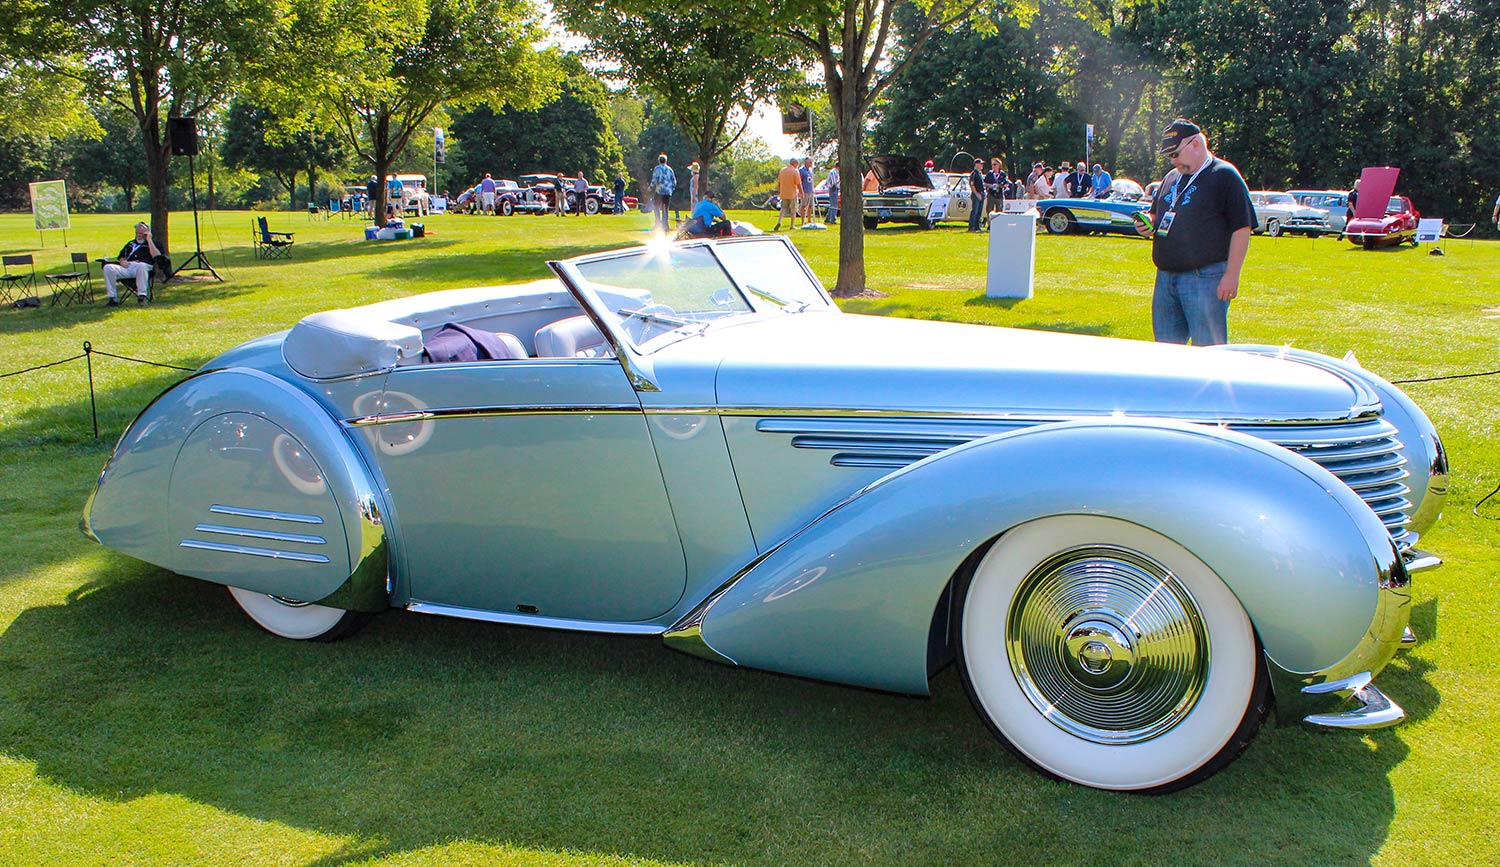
{"x": 657, "y": 295}
{"x": 1281, "y": 199}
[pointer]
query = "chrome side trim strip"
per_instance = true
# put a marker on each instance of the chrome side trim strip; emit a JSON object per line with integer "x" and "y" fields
{"x": 534, "y": 620}
{"x": 260, "y": 534}
{"x": 490, "y": 412}
{"x": 270, "y": 516}
{"x": 253, "y": 552}
{"x": 1016, "y": 417}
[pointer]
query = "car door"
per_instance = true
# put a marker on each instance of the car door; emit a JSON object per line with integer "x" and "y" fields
{"x": 530, "y": 487}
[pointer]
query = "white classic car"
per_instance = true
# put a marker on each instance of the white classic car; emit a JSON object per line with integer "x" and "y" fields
{"x": 1277, "y": 212}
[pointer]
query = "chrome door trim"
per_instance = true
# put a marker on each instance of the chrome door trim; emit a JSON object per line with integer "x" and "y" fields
{"x": 490, "y": 412}
{"x": 420, "y": 607}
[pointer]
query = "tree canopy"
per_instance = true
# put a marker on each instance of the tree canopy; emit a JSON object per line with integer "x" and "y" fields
{"x": 383, "y": 67}
{"x": 570, "y": 133}
{"x": 706, "y": 68}
{"x": 153, "y": 60}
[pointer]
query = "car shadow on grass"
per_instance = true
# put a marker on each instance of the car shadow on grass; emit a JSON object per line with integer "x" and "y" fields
{"x": 421, "y": 730}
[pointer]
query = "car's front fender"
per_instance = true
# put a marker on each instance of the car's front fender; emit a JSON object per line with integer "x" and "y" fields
{"x": 851, "y": 597}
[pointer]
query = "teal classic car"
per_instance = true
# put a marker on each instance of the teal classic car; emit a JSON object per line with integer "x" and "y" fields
{"x": 1114, "y": 213}
{"x": 1131, "y": 550}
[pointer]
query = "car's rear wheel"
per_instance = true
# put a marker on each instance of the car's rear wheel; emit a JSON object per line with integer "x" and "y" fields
{"x": 507, "y": 207}
{"x": 304, "y": 621}
{"x": 1273, "y": 227}
{"x": 1106, "y": 654}
{"x": 1060, "y": 221}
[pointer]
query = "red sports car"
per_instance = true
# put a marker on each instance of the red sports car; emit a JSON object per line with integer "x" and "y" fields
{"x": 1398, "y": 224}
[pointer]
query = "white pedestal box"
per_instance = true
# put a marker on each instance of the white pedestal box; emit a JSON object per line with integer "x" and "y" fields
{"x": 1012, "y": 266}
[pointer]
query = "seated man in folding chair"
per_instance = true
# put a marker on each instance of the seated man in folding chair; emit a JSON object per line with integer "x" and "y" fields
{"x": 137, "y": 258}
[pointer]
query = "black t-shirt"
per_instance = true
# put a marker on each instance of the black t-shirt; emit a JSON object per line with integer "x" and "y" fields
{"x": 1208, "y": 211}
{"x": 133, "y": 252}
{"x": 976, "y": 182}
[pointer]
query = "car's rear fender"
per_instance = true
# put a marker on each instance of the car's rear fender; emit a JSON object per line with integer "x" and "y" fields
{"x": 851, "y": 597}
{"x": 237, "y": 477}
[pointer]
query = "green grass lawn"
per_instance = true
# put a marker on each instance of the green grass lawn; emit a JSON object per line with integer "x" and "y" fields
{"x": 145, "y": 721}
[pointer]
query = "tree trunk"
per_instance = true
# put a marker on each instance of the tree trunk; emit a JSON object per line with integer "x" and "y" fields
{"x": 157, "y": 166}
{"x": 851, "y": 133}
{"x": 380, "y": 145}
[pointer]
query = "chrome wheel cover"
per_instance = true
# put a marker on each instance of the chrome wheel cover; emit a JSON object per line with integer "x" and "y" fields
{"x": 1107, "y": 644}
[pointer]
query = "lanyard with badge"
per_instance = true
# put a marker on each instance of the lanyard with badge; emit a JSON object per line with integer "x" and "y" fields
{"x": 1178, "y": 188}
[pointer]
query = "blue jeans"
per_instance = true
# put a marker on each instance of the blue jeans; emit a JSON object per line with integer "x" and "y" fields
{"x": 1186, "y": 306}
{"x": 976, "y": 211}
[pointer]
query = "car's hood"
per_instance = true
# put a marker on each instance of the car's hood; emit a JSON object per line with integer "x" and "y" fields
{"x": 844, "y": 362}
{"x": 894, "y": 170}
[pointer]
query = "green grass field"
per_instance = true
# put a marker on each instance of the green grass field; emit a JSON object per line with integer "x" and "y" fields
{"x": 145, "y": 721}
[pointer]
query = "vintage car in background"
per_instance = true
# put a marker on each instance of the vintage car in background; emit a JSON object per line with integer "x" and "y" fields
{"x": 511, "y": 198}
{"x": 905, "y": 193}
{"x": 1089, "y": 215}
{"x": 1334, "y": 202}
{"x": 1277, "y": 212}
{"x": 1397, "y": 225}
{"x": 1127, "y": 189}
{"x": 545, "y": 185}
{"x": 1130, "y": 549}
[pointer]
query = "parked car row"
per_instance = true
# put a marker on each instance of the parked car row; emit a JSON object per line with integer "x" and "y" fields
{"x": 537, "y": 194}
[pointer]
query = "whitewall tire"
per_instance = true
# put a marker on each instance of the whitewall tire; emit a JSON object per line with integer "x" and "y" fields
{"x": 1106, "y": 654}
{"x": 297, "y": 620}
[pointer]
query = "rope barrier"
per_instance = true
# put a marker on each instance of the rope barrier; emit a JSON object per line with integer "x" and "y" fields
{"x": 42, "y": 366}
{"x": 1441, "y": 378}
{"x": 88, "y": 355}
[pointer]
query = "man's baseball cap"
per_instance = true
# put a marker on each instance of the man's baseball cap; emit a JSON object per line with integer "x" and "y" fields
{"x": 1177, "y": 132}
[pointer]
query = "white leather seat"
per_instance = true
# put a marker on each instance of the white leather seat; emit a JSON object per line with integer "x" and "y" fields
{"x": 574, "y": 337}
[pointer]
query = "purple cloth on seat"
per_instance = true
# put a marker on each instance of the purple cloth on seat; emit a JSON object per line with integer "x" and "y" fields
{"x": 456, "y": 342}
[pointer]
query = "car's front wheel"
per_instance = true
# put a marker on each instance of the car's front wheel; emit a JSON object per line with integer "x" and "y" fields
{"x": 507, "y": 207}
{"x": 1106, "y": 654}
{"x": 1273, "y": 227}
{"x": 591, "y": 205}
{"x": 290, "y": 618}
{"x": 871, "y": 222}
{"x": 1059, "y": 221}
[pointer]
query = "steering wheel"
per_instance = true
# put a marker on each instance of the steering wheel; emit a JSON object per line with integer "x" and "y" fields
{"x": 640, "y": 326}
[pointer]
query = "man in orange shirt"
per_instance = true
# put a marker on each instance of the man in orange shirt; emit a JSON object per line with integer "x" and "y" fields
{"x": 788, "y": 187}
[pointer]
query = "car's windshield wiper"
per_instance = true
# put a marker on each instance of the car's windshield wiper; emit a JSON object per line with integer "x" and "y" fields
{"x": 774, "y": 299}
{"x": 677, "y": 322}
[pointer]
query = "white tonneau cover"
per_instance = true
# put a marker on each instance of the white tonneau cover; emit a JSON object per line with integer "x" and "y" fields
{"x": 359, "y": 340}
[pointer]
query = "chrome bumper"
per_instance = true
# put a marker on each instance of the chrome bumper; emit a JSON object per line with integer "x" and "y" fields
{"x": 1343, "y": 696}
{"x": 1374, "y": 710}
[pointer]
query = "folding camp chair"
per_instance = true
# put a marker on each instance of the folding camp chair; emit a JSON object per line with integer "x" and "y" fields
{"x": 73, "y": 286}
{"x": 269, "y": 244}
{"x": 10, "y": 283}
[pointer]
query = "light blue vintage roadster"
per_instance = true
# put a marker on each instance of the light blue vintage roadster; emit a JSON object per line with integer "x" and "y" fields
{"x": 1131, "y": 550}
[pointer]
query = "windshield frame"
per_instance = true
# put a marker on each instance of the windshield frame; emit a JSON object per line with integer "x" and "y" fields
{"x": 753, "y": 303}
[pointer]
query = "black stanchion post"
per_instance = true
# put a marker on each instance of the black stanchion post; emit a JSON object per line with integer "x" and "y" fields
{"x": 88, "y": 356}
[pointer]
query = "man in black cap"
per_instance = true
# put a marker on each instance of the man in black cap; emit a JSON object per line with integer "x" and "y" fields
{"x": 1202, "y": 219}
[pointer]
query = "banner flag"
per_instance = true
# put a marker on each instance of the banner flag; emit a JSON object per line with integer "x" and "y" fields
{"x": 49, "y": 205}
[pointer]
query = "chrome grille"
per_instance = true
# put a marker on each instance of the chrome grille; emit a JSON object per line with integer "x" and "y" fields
{"x": 1365, "y": 453}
